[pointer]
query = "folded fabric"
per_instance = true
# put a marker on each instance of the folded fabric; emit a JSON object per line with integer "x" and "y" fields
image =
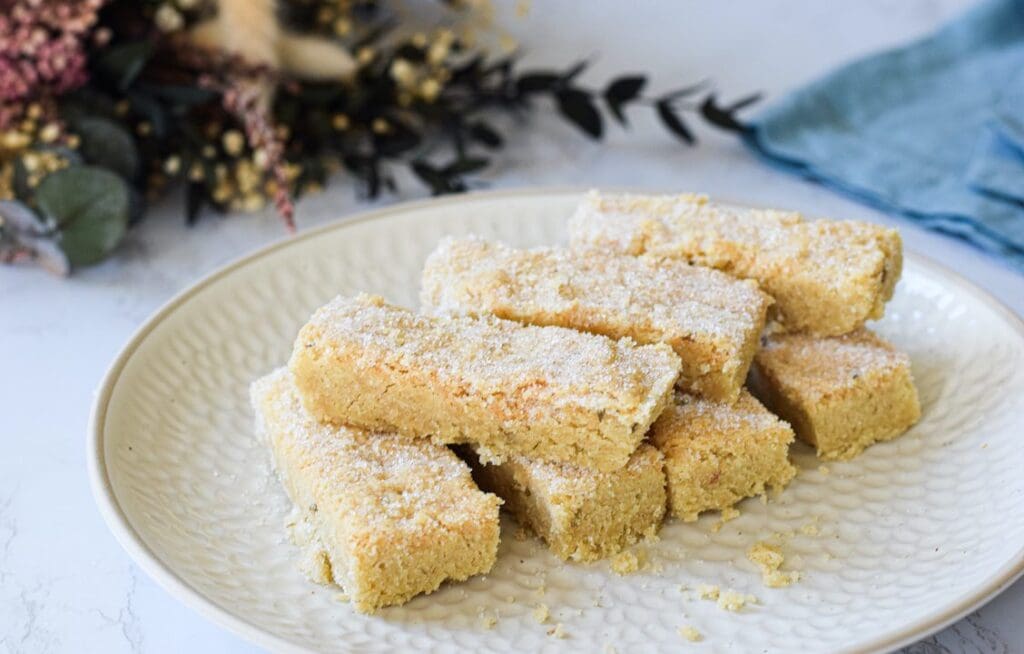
{"x": 933, "y": 131}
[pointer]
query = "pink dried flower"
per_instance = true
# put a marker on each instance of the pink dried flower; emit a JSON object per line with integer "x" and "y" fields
{"x": 244, "y": 94}
{"x": 245, "y": 101}
{"x": 43, "y": 47}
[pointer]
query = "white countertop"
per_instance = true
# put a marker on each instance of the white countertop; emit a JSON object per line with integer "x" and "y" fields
{"x": 65, "y": 585}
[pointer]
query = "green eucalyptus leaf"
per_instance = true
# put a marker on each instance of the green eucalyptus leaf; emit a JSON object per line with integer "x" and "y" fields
{"x": 724, "y": 117}
{"x": 622, "y": 91}
{"x": 431, "y": 176}
{"x": 484, "y": 133}
{"x": 151, "y": 109}
{"x": 465, "y": 166}
{"x": 123, "y": 63}
{"x": 538, "y": 82}
{"x": 578, "y": 107}
{"x": 674, "y": 123}
{"x": 90, "y": 205}
{"x": 107, "y": 144}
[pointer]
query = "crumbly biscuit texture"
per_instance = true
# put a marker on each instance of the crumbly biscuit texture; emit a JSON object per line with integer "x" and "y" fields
{"x": 711, "y": 320}
{"x": 841, "y": 394}
{"x": 718, "y": 454}
{"x": 384, "y": 517}
{"x": 544, "y": 392}
{"x": 827, "y": 277}
{"x": 582, "y": 514}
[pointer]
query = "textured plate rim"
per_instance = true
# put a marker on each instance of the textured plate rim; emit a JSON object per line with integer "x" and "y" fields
{"x": 125, "y": 533}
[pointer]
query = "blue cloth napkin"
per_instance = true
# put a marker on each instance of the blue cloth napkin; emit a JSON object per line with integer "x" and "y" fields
{"x": 933, "y": 131}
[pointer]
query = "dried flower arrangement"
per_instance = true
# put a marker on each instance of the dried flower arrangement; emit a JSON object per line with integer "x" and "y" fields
{"x": 105, "y": 104}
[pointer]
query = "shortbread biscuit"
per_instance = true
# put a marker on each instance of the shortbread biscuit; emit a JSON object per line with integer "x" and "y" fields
{"x": 718, "y": 454}
{"x": 582, "y": 514}
{"x": 827, "y": 277}
{"x": 388, "y": 517}
{"x": 711, "y": 320}
{"x": 841, "y": 394}
{"x": 544, "y": 392}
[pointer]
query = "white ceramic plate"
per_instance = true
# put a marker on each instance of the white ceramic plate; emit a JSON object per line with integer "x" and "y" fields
{"x": 910, "y": 536}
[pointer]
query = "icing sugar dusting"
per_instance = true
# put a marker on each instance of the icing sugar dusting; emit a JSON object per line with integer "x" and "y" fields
{"x": 490, "y": 357}
{"x": 603, "y": 292}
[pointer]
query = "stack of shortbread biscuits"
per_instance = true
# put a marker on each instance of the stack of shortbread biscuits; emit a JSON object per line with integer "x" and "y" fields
{"x": 591, "y": 388}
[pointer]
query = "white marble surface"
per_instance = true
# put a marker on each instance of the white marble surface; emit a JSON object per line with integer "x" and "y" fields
{"x": 66, "y": 586}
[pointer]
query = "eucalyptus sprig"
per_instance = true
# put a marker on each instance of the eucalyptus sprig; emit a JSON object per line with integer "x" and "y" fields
{"x": 582, "y": 106}
{"x": 446, "y": 141}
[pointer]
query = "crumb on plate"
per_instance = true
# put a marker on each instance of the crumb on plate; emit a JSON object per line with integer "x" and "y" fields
{"x": 769, "y": 559}
{"x": 629, "y": 561}
{"x": 690, "y": 634}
